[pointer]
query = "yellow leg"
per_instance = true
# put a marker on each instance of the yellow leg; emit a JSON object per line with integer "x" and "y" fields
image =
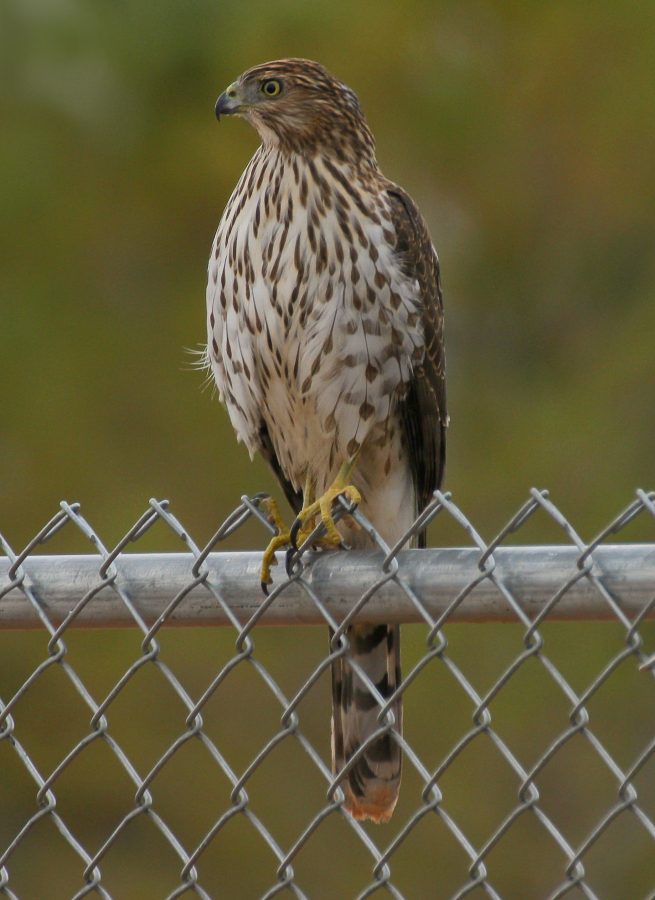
{"x": 283, "y": 536}
{"x": 281, "y": 539}
{"x": 269, "y": 506}
{"x": 305, "y": 520}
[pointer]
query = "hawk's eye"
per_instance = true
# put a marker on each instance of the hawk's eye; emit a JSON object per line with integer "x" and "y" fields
{"x": 271, "y": 87}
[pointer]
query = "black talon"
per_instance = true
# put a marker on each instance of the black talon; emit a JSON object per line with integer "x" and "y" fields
{"x": 293, "y": 534}
{"x": 290, "y": 558}
{"x": 264, "y": 588}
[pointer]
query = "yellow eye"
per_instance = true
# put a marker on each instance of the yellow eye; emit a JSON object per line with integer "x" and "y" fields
{"x": 271, "y": 87}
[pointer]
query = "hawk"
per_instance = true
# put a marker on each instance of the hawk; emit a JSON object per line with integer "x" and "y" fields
{"x": 325, "y": 339}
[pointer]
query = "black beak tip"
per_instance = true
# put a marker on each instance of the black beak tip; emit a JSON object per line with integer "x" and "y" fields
{"x": 225, "y": 105}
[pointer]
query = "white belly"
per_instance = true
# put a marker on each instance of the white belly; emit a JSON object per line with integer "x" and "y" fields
{"x": 307, "y": 336}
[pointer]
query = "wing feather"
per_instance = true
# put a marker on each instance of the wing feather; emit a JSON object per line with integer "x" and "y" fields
{"x": 423, "y": 410}
{"x": 267, "y": 450}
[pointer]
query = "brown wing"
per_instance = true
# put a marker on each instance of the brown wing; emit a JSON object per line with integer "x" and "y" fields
{"x": 423, "y": 409}
{"x": 293, "y": 496}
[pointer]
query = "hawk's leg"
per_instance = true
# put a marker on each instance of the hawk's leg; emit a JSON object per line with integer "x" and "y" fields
{"x": 283, "y": 536}
{"x": 305, "y": 520}
{"x": 281, "y": 539}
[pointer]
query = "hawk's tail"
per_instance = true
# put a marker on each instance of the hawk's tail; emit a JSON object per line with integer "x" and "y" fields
{"x": 371, "y": 785}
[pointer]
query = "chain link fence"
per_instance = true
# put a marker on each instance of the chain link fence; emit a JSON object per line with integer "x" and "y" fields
{"x": 152, "y": 761}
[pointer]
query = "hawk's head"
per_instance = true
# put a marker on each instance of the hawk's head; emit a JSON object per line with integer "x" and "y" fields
{"x": 299, "y": 105}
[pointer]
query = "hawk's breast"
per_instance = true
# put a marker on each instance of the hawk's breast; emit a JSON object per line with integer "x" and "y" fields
{"x": 313, "y": 328}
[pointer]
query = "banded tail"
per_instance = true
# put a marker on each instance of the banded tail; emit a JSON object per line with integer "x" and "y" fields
{"x": 371, "y": 786}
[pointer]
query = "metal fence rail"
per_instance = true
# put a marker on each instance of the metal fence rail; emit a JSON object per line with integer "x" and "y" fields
{"x": 577, "y": 768}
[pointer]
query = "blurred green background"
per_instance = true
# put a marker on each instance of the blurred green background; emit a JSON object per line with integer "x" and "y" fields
{"x": 526, "y": 133}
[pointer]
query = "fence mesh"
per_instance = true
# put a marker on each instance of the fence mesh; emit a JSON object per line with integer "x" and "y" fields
{"x": 196, "y": 762}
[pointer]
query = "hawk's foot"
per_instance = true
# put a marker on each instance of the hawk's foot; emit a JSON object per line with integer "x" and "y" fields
{"x": 291, "y": 538}
{"x": 305, "y": 521}
{"x": 281, "y": 539}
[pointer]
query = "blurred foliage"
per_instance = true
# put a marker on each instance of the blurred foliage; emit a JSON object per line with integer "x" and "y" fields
{"x": 524, "y": 130}
{"x": 526, "y": 133}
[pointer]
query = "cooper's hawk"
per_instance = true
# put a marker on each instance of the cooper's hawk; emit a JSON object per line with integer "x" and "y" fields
{"x": 325, "y": 338}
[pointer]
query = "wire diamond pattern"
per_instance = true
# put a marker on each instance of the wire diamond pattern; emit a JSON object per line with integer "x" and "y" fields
{"x": 576, "y": 874}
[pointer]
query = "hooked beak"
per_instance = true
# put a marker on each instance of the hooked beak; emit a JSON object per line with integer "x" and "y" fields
{"x": 229, "y": 102}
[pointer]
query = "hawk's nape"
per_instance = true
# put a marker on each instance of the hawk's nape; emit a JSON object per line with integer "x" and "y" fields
{"x": 325, "y": 339}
